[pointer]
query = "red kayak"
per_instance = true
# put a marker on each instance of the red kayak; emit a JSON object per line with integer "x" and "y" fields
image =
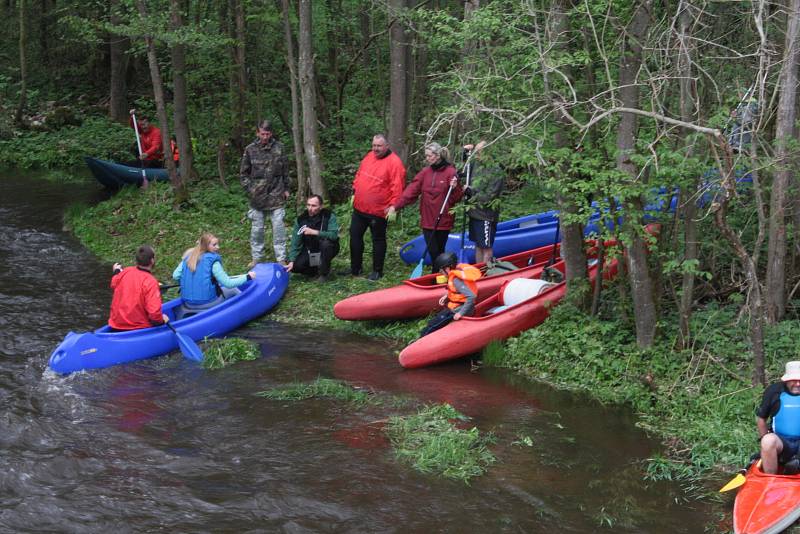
{"x": 420, "y": 296}
{"x": 470, "y": 334}
{"x": 766, "y": 504}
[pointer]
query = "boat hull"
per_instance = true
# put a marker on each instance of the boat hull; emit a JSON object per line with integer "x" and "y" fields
{"x": 115, "y": 175}
{"x": 420, "y": 296}
{"x": 766, "y": 504}
{"x": 470, "y": 334}
{"x": 104, "y": 348}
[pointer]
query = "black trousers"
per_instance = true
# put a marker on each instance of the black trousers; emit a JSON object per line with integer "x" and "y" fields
{"x": 440, "y": 320}
{"x": 359, "y": 223}
{"x": 436, "y": 241}
{"x": 328, "y": 248}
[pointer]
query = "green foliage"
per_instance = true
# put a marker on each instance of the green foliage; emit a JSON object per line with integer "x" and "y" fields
{"x": 320, "y": 388}
{"x": 433, "y": 443}
{"x": 219, "y": 353}
{"x": 97, "y": 136}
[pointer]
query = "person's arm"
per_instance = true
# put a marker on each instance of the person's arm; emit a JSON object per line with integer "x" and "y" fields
{"x": 176, "y": 274}
{"x": 489, "y": 187}
{"x": 152, "y": 302}
{"x": 117, "y": 269}
{"x": 227, "y": 281}
{"x": 762, "y": 426}
{"x": 245, "y": 168}
{"x": 332, "y": 232}
{"x": 458, "y": 191}
{"x": 296, "y": 245}
{"x": 469, "y": 305}
{"x": 410, "y": 193}
{"x": 154, "y": 147}
{"x": 397, "y": 180}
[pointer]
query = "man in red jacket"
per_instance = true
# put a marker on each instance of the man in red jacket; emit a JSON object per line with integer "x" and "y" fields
{"x": 152, "y": 154}
{"x": 137, "y": 300}
{"x": 378, "y": 184}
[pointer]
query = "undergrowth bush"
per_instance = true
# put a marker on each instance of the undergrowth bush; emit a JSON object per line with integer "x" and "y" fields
{"x": 219, "y": 353}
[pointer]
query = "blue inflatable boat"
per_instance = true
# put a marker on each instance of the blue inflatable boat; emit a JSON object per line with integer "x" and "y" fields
{"x": 115, "y": 175}
{"x": 104, "y": 348}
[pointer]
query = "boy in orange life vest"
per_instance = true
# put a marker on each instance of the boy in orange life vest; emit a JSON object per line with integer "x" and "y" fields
{"x": 462, "y": 290}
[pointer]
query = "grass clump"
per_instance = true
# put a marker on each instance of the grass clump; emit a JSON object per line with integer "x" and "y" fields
{"x": 319, "y": 388}
{"x": 220, "y": 353}
{"x": 432, "y": 443}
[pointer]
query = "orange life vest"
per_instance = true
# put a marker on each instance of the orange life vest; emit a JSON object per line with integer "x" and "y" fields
{"x": 175, "y": 154}
{"x": 467, "y": 274}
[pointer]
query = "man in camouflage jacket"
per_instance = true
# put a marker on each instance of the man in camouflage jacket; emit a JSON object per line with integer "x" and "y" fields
{"x": 265, "y": 178}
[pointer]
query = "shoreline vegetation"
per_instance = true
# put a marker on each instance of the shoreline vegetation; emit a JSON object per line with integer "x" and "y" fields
{"x": 699, "y": 401}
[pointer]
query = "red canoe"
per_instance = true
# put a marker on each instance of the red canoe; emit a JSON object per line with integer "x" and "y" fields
{"x": 766, "y": 504}
{"x": 420, "y": 296}
{"x": 471, "y": 334}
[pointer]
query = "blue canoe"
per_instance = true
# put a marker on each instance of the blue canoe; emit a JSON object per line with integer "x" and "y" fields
{"x": 115, "y": 175}
{"x": 103, "y": 348}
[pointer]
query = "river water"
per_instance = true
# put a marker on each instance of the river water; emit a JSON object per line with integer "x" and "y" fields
{"x": 164, "y": 446}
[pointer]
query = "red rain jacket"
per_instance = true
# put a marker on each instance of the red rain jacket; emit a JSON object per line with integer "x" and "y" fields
{"x": 432, "y": 185}
{"x": 151, "y": 142}
{"x": 378, "y": 183}
{"x": 137, "y": 300}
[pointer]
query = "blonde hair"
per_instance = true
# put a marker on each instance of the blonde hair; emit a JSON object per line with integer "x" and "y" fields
{"x": 192, "y": 256}
{"x": 439, "y": 150}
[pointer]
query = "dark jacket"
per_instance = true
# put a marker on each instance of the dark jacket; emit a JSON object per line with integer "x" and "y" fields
{"x": 486, "y": 185}
{"x": 324, "y": 221}
{"x": 264, "y": 174}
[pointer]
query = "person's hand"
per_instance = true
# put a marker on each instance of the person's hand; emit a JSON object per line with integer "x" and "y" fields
{"x": 132, "y": 111}
{"x": 289, "y": 267}
{"x": 285, "y": 195}
{"x": 117, "y": 267}
{"x": 454, "y": 181}
{"x": 457, "y": 316}
{"x": 252, "y": 275}
{"x": 443, "y": 300}
{"x": 391, "y": 214}
{"x": 165, "y": 318}
{"x": 469, "y": 147}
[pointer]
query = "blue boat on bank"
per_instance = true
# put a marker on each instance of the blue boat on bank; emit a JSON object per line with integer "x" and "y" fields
{"x": 115, "y": 175}
{"x": 104, "y": 348}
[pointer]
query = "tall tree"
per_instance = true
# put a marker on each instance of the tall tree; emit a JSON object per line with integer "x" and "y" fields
{"x": 308, "y": 90}
{"x": 118, "y": 56}
{"x": 302, "y": 182}
{"x": 182, "y": 131}
{"x": 784, "y": 174}
{"x": 238, "y": 78}
{"x": 638, "y": 271}
{"x": 23, "y": 66}
{"x": 398, "y": 92}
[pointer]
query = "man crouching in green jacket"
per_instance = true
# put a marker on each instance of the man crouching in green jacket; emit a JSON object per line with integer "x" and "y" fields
{"x": 315, "y": 241}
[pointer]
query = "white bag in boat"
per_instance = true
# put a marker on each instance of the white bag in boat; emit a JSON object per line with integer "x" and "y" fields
{"x": 521, "y": 289}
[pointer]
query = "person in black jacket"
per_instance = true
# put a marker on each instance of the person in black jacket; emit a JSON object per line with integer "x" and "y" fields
{"x": 315, "y": 240}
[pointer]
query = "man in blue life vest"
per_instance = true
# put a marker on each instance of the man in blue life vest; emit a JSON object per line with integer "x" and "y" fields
{"x": 462, "y": 289}
{"x": 781, "y": 402}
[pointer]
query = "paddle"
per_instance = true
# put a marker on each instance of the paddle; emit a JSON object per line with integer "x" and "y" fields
{"x": 461, "y": 254}
{"x": 555, "y": 246}
{"x": 417, "y": 272}
{"x": 139, "y": 146}
{"x": 188, "y": 347}
{"x": 737, "y": 481}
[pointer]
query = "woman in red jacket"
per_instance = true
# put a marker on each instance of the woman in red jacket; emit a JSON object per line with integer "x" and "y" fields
{"x": 431, "y": 185}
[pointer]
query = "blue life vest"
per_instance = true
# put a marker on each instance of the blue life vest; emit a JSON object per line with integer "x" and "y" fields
{"x": 198, "y": 287}
{"x": 787, "y": 421}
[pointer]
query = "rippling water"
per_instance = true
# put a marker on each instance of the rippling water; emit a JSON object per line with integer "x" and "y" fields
{"x": 163, "y": 445}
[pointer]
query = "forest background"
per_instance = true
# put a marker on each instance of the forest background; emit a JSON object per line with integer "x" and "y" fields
{"x": 579, "y": 100}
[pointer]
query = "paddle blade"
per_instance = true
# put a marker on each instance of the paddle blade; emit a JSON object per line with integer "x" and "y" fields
{"x": 737, "y": 481}
{"x": 417, "y": 272}
{"x": 189, "y": 348}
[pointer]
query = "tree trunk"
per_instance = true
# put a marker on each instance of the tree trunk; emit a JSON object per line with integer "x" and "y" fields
{"x": 23, "y": 66}
{"x": 776, "y": 251}
{"x": 302, "y": 183}
{"x": 644, "y": 305}
{"x": 308, "y": 94}
{"x": 689, "y": 204}
{"x": 238, "y": 79}
{"x": 161, "y": 109}
{"x": 118, "y": 68}
{"x": 183, "y": 135}
{"x": 398, "y": 93}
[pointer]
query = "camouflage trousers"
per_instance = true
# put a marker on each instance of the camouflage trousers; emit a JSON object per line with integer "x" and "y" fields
{"x": 257, "y": 218}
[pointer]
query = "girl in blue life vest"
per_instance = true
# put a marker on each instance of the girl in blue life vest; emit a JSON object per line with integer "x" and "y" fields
{"x": 202, "y": 277}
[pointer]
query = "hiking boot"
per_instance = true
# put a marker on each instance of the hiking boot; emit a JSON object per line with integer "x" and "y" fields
{"x": 374, "y": 276}
{"x": 323, "y": 278}
{"x": 348, "y": 272}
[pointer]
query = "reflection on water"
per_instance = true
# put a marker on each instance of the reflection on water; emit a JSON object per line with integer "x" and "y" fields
{"x": 162, "y": 445}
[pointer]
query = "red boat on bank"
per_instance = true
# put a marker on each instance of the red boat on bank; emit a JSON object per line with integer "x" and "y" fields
{"x": 420, "y": 296}
{"x": 470, "y": 334}
{"x": 766, "y": 504}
